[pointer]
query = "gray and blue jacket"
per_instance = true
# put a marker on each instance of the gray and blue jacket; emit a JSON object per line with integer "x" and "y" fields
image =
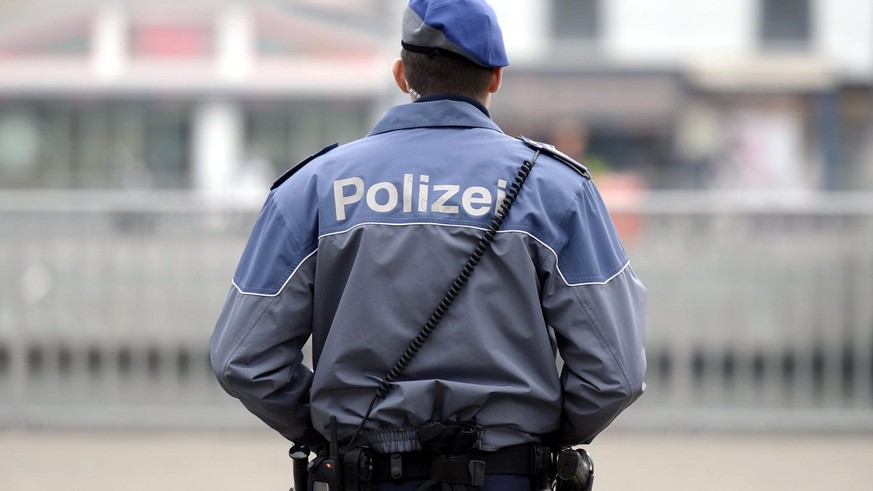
{"x": 357, "y": 247}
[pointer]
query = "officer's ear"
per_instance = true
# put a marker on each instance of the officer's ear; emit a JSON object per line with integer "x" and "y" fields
{"x": 400, "y": 75}
{"x": 496, "y": 80}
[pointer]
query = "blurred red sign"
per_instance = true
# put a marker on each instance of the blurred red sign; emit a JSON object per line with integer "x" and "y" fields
{"x": 172, "y": 41}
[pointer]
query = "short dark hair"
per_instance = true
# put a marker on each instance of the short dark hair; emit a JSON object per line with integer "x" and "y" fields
{"x": 445, "y": 73}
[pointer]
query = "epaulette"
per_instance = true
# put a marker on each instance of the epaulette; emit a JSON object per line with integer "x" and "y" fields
{"x": 290, "y": 172}
{"x": 551, "y": 151}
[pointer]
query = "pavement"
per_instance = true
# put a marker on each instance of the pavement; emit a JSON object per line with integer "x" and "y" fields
{"x": 257, "y": 460}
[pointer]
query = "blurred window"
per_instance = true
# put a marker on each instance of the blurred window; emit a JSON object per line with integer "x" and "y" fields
{"x": 286, "y": 133}
{"x": 785, "y": 23}
{"x": 69, "y": 37}
{"x": 341, "y": 30}
{"x": 19, "y": 141}
{"x": 94, "y": 144}
{"x": 576, "y": 19}
{"x": 646, "y": 154}
{"x": 276, "y": 36}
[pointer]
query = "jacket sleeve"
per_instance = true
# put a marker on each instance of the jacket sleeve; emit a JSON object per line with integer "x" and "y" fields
{"x": 597, "y": 308}
{"x": 256, "y": 348}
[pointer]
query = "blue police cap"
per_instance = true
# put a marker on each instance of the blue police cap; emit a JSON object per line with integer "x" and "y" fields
{"x": 464, "y": 27}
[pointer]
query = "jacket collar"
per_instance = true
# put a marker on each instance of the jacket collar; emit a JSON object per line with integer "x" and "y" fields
{"x": 454, "y": 97}
{"x": 432, "y": 114}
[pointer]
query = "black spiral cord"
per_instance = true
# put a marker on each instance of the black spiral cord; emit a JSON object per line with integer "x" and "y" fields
{"x": 443, "y": 307}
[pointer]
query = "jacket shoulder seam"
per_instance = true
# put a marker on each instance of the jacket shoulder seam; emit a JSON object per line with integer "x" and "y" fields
{"x": 290, "y": 172}
{"x": 558, "y": 155}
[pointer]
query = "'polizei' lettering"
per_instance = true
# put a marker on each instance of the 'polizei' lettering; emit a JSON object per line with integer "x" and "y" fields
{"x": 384, "y": 197}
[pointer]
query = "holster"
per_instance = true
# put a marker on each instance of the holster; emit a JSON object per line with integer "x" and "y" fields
{"x": 357, "y": 468}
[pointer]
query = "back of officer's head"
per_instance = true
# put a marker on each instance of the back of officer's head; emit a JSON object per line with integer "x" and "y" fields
{"x": 451, "y": 46}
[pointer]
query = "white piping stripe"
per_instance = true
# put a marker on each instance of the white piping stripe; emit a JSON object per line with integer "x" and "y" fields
{"x": 402, "y": 225}
{"x": 233, "y": 281}
{"x": 557, "y": 266}
{"x": 534, "y": 237}
{"x": 620, "y": 271}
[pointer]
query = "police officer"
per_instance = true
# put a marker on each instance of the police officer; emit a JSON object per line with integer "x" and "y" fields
{"x": 355, "y": 246}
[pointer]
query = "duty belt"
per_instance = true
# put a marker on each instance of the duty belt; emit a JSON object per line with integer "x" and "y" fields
{"x": 469, "y": 469}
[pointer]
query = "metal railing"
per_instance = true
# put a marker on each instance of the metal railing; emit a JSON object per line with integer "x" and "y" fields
{"x": 760, "y": 308}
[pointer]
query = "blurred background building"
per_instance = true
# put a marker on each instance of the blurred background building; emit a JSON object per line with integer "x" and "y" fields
{"x": 733, "y": 139}
{"x": 212, "y": 95}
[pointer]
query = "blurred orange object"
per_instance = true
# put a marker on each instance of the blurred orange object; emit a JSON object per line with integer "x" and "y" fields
{"x": 623, "y": 192}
